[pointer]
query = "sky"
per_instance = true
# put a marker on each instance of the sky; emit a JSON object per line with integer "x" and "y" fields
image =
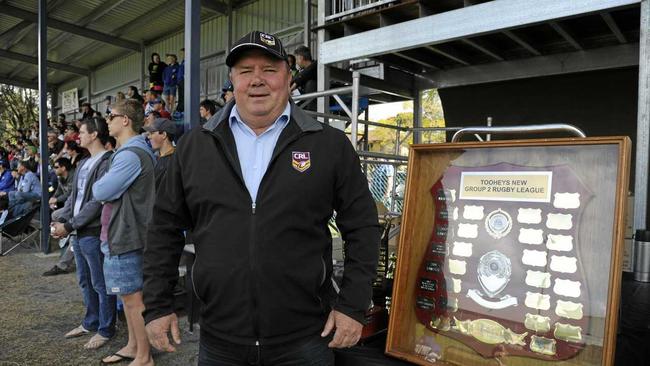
{"x": 387, "y": 110}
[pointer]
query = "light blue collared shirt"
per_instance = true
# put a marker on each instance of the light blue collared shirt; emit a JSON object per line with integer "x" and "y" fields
{"x": 255, "y": 151}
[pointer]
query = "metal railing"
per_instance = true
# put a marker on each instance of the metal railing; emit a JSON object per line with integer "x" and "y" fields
{"x": 341, "y": 8}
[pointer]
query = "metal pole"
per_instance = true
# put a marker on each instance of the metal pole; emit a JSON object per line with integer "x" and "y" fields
{"x": 192, "y": 62}
{"x": 230, "y": 25}
{"x": 42, "y": 121}
{"x": 307, "y": 25}
{"x": 142, "y": 67}
{"x": 323, "y": 74}
{"x": 417, "y": 116}
{"x": 488, "y": 137}
{"x": 355, "y": 108}
{"x": 643, "y": 122}
{"x": 89, "y": 93}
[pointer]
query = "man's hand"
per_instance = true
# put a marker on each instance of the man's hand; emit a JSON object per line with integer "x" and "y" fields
{"x": 157, "y": 332}
{"x": 59, "y": 230}
{"x": 347, "y": 333}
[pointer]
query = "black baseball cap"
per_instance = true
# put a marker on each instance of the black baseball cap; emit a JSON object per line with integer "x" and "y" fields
{"x": 258, "y": 40}
{"x": 162, "y": 125}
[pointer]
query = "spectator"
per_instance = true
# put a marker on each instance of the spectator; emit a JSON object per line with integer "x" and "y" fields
{"x": 149, "y": 98}
{"x": 6, "y": 179}
{"x": 54, "y": 145}
{"x": 159, "y": 106}
{"x": 80, "y": 218}
{"x": 110, "y": 144}
{"x": 64, "y": 173}
{"x": 305, "y": 81}
{"x": 227, "y": 91}
{"x": 75, "y": 153}
{"x": 87, "y": 111}
{"x": 4, "y": 209}
{"x": 107, "y": 104}
{"x": 291, "y": 59}
{"x": 161, "y": 134}
{"x": 156, "y": 69}
{"x": 28, "y": 191}
{"x": 71, "y": 133}
{"x": 118, "y": 97}
{"x": 267, "y": 277}
{"x": 133, "y": 94}
{"x": 180, "y": 106}
{"x": 128, "y": 192}
{"x": 170, "y": 78}
{"x": 97, "y": 114}
{"x": 61, "y": 120}
{"x": 207, "y": 109}
{"x": 150, "y": 117}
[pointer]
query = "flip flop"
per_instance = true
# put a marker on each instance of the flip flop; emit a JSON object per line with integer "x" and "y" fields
{"x": 120, "y": 358}
{"x": 96, "y": 341}
{"x": 77, "y": 332}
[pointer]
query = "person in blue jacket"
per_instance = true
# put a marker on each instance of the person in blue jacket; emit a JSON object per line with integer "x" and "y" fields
{"x": 170, "y": 78}
{"x": 7, "y": 183}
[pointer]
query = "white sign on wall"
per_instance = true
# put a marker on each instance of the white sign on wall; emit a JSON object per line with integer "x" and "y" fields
{"x": 70, "y": 101}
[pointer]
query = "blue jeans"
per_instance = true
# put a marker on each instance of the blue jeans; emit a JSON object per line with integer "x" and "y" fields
{"x": 311, "y": 351}
{"x": 100, "y": 307}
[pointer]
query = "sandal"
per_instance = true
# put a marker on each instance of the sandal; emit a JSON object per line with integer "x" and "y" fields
{"x": 96, "y": 341}
{"x": 120, "y": 358}
{"x": 77, "y": 332}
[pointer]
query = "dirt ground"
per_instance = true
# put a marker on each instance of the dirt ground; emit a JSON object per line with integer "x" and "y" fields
{"x": 36, "y": 311}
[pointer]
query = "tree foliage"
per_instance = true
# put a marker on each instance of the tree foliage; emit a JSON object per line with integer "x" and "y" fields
{"x": 384, "y": 139}
{"x": 18, "y": 109}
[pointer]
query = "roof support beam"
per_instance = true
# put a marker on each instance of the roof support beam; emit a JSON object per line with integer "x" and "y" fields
{"x": 12, "y": 36}
{"x": 626, "y": 55}
{"x": 489, "y": 17}
{"x": 22, "y": 83}
{"x": 611, "y": 23}
{"x": 215, "y": 6}
{"x": 416, "y": 60}
{"x": 566, "y": 35}
{"x": 482, "y": 49}
{"x": 70, "y": 28}
{"x": 522, "y": 43}
{"x": 447, "y": 55}
{"x": 33, "y": 60}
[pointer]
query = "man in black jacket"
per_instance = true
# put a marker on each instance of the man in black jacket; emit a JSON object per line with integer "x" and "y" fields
{"x": 257, "y": 186}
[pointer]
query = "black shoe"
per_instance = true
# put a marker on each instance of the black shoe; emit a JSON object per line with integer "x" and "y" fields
{"x": 55, "y": 271}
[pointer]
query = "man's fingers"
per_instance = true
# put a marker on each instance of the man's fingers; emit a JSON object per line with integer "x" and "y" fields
{"x": 329, "y": 325}
{"x": 176, "y": 332}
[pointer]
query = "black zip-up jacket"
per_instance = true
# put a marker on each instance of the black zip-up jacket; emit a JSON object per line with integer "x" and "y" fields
{"x": 263, "y": 269}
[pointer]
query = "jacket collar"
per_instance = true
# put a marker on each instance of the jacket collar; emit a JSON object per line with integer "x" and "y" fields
{"x": 304, "y": 121}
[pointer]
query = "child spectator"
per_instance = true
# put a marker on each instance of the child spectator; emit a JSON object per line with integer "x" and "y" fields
{"x": 170, "y": 78}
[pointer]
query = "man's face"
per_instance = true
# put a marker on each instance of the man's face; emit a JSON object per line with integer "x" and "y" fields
{"x": 85, "y": 138}
{"x": 261, "y": 84}
{"x": 116, "y": 122}
{"x": 300, "y": 61}
{"x": 227, "y": 96}
{"x": 21, "y": 169}
{"x": 51, "y": 138}
{"x": 203, "y": 112}
{"x": 59, "y": 170}
{"x": 157, "y": 139}
{"x": 85, "y": 109}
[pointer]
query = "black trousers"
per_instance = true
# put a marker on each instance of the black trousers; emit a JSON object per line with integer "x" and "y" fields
{"x": 309, "y": 351}
{"x": 180, "y": 102}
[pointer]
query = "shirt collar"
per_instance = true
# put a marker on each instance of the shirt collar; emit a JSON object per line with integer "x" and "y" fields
{"x": 280, "y": 122}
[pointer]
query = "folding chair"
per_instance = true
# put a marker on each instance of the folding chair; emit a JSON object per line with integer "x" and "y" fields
{"x": 16, "y": 230}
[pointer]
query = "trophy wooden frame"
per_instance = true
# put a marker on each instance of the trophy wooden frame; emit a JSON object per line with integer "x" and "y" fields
{"x": 428, "y": 330}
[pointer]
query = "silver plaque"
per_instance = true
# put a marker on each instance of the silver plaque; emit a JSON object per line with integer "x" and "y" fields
{"x": 462, "y": 249}
{"x": 535, "y": 258}
{"x": 537, "y": 301}
{"x": 473, "y": 212}
{"x": 566, "y": 200}
{"x": 529, "y": 215}
{"x": 559, "y": 221}
{"x": 494, "y": 271}
{"x": 469, "y": 231}
{"x": 538, "y": 279}
{"x": 537, "y": 323}
{"x": 567, "y": 288}
{"x": 561, "y": 243}
{"x": 564, "y": 264}
{"x": 531, "y": 236}
{"x": 569, "y": 310}
{"x": 498, "y": 223}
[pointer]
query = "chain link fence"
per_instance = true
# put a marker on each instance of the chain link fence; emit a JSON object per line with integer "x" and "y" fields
{"x": 387, "y": 182}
